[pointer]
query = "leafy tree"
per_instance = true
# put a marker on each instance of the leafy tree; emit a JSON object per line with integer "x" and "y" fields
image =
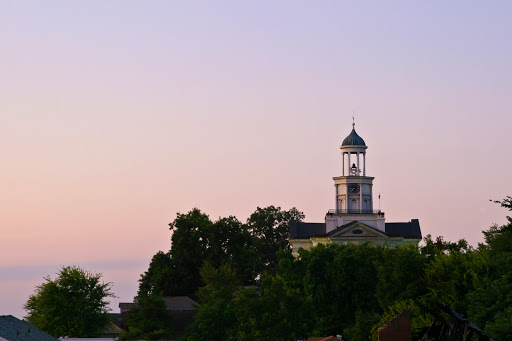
{"x": 158, "y": 279}
{"x": 490, "y": 306}
{"x": 451, "y": 277}
{"x": 148, "y": 320}
{"x": 72, "y": 304}
{"x": 188, "y": 252}
{"x": 215, "y": 316}
{"x": 440, "y": 246}
{"x": 499, "y": 241}
{"x": 270, "y": 227}
{"x": 230, "y": 242}
{"x": 249, "y": 249}
{"x": 340, "y": 280}
{"x": 400, "y": 275}
{"x": 176, "y": 273}
{"x": 273, "y": 311}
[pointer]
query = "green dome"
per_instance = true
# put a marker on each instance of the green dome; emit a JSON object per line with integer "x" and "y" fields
{"x": 353, "y": 140}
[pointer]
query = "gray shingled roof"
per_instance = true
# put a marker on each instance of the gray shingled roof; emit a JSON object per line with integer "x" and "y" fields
{"x": 409, "y": 230}
{"x": 13, "y": 329}
{"x": 300, "y": 230}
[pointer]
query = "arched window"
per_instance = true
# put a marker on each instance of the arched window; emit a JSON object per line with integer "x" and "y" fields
{"x": 353, "y": 204}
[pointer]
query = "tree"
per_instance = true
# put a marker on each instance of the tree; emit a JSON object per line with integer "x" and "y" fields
{"x": 230, "y": 242}
{"x": 72, "y": 304}
{"x": 450, "y": 277}
{"x": 248, "y": 249}
{"x": 270, "y": 227}
{"x": 341, "y": 280}
{"x": 189, "y": 244}
{"x": 400, "y": 275}
{"x": 440, "y": 246}
{"x": 196, "y": 240}
{"x": 490, "y": 306}
{"x": 216, "y": 315}
{"x": 273, "y": 311}
{"x": 158, "y": 279}
{"x": 148, "y": 320}
{"x": 499, "y": 238}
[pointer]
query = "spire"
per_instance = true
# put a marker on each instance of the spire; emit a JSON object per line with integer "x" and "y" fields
{"x": 353, "y": 121}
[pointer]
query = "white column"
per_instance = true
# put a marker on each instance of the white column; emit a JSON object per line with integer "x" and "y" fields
{"x": 364, "y": 164}
{"x": 349, "y": 164}
{"x": 343, "y": 163}
{"x": 358, "y": 164}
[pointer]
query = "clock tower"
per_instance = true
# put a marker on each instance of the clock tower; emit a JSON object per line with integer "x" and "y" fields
{"x": 353, "y": 189}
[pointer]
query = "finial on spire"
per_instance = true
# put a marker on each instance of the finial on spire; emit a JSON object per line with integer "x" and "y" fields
{"x": 353, "y": 121}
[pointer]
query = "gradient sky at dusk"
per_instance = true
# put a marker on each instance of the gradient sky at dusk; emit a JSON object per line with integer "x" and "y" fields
{"x": 115, "y": 115}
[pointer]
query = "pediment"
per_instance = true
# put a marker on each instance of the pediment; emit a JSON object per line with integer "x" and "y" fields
{"x": 357, "y": 229}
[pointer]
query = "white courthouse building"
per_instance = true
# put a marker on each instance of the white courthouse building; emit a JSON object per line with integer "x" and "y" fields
{"x": 354, "y": 219}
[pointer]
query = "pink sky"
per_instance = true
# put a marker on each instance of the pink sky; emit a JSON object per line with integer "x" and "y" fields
{"x": 116, "y": 115}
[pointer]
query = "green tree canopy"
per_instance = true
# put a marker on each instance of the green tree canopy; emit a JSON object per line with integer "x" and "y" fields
{"x": 157, "y": 280}
{"x": 270, "y": 227}
{"x": 249, "y": 249}
{"x": 400, "y": 275}
{"x": 490, "y": 305}
{"x": 72, "y": 304}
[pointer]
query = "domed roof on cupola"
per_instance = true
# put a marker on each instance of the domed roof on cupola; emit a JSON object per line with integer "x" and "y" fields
{"x": 353, "y": 139}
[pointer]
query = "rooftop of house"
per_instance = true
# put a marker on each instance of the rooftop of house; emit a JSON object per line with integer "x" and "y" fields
{"x": 14, "y": 329}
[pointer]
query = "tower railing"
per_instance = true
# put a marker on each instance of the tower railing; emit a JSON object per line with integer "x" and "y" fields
{"x": 356, "y": 211}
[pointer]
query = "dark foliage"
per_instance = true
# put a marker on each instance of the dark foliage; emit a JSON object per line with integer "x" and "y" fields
{"x": 249, "y": 249}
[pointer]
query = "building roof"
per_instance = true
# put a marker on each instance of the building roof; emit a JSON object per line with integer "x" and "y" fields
{"x": 300, "y": 230}
{"x": 13, "y": 329}
{"x": 410, "y": 230}
{"x": 353, "y": 139}
{"x": 171, "y": 303}
{"x": 179, "y": 303}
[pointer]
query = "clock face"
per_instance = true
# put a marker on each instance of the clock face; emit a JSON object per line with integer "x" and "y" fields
{"x": 353, "y": 188}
